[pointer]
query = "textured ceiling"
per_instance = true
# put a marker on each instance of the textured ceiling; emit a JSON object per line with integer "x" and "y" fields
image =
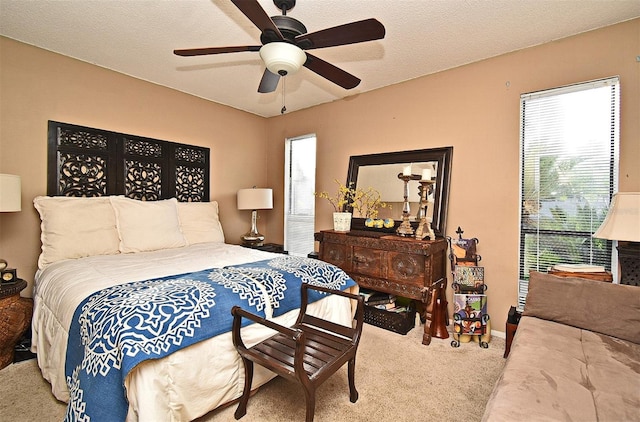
{"x": 137, "y": 38}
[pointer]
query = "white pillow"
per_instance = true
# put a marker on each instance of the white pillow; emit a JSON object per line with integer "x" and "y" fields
{"x": 75, "y": 228}
{"x": 199, "y": 222}
{"x": 147, "y": 225}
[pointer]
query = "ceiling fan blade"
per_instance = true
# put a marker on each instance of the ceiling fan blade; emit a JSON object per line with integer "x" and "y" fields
{"x": 331, "y": 72}
{"x": 350, "y": 33}
{"x": 257, "y": 15}
{"x": 215, "y": 50}
{"x": 269, "y": 82}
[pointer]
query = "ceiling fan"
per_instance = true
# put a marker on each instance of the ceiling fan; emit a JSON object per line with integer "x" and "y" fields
{"x": 284, "y": 38}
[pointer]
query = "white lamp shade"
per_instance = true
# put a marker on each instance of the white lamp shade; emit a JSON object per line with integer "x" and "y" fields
{"x": 282, "y": 58}
{"x": 10, "y": 198}
{"x": 255, "y": 199}
{"x": 623, "y": 220}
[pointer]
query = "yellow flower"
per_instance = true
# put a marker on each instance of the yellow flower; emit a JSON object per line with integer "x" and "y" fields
{"x": 341, "y": 199}
{"x": 364, "y": 202}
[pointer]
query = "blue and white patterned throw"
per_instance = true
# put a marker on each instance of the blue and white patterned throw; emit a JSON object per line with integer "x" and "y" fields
{"x": 116, "y": 328}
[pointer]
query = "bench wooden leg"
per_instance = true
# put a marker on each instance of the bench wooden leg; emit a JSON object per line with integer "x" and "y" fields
{"x": 310, "y": 400}
{"x": 353, "y": 393}
{"x": 248, "y": 379}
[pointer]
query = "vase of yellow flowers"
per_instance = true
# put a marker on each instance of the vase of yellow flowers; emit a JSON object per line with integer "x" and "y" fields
{"x": 350, "y": 201}
{"x": 340, "y": 202}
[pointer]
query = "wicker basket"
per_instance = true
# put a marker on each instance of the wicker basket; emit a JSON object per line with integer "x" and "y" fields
{"x": 398, "y": 322}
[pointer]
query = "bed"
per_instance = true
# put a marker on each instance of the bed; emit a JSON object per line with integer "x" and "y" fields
{"x": 132, "y": 296}
{"x": 162, "y": 388}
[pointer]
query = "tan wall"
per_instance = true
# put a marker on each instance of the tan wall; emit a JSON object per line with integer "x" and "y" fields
{"x": 475, "y": 109}
{"x": 37, "y": 86}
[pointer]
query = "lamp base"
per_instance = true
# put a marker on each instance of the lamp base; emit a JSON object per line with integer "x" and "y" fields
{"x": 253, "y": 238}
{"x": 629, "y": 257}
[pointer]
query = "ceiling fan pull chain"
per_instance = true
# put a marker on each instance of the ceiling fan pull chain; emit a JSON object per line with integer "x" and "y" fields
{"x": 284, "y": 108}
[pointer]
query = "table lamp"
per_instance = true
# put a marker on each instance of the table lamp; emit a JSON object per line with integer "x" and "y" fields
{"x": 254, "y": 199}
{"x": 623, "y": 224}
{"x": 10, "y": 198}
{"x": 10, "y": 201}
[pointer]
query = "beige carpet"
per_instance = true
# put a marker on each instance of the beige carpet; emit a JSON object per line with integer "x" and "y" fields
{"x": 397, "y": 377}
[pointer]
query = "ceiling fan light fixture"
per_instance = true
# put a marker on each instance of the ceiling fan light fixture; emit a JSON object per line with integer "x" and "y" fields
{"x": 282, "y": 58}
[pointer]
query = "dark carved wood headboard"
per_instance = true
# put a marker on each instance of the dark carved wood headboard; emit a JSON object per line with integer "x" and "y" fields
{"x": 84, "y": 161}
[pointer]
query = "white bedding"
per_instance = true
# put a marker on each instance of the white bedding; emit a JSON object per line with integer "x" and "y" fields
{"x": 183, "y": 385}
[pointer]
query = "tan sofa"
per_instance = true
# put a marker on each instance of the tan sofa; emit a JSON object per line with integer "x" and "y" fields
{"x": 575, "y": 355}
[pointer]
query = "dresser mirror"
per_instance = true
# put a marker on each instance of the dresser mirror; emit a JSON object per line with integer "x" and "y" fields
{"x": 380, "y": 172}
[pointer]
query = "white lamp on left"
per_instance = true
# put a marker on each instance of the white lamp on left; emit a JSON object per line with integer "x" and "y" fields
{"x": 254, "y": 199}
{"x": 10, "y": 197}
{"x": 10, "y": 201}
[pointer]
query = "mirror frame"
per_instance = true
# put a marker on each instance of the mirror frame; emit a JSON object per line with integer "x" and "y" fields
{"x": 442, "y": 156}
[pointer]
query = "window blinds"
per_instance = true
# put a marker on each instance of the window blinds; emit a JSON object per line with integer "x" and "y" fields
{"x": 569, "y": 165}
{"x": 300, "y": 175}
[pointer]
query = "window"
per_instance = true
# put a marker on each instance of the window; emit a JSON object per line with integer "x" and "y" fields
{"x": 569, "y": 167}
{"x": 300, "y": 183}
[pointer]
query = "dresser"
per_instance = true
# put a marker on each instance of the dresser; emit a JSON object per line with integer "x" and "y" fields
{"x": 406, "y": 267}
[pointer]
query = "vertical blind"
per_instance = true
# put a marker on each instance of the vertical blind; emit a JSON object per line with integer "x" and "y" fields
{"x": 569, "y": 167}
{"x": 300, "y": 183}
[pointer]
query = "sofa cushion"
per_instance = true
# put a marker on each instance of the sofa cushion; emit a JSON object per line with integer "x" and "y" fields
{"x": 613, "y": 371}
{"x": 606, "y": 308}
{"x": 557, "y": 372}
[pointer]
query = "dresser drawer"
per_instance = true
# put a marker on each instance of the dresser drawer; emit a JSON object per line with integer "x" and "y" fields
{"x": 336, "y": 254}
{"x": 406, "y": 268}
{"x": 367, "y": 261}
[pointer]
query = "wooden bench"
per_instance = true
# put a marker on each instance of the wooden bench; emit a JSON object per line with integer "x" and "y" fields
{"x": 308, "y": 353}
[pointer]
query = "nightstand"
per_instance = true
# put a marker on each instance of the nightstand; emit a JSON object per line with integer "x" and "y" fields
{"x": 267, "y": 247}
{"x": 512, "y": 325}
{"x": 15, "y": 318}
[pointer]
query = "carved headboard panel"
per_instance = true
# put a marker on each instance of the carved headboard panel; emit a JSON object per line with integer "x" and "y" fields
{"x": 83, "y": 161}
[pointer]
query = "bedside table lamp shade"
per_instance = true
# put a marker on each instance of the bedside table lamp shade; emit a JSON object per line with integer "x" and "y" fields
{"x": 623, "y": 224}
{"x": 10, "y": 201}
{"x": 254, "y": 199}
{"x": 10, "y": 198}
